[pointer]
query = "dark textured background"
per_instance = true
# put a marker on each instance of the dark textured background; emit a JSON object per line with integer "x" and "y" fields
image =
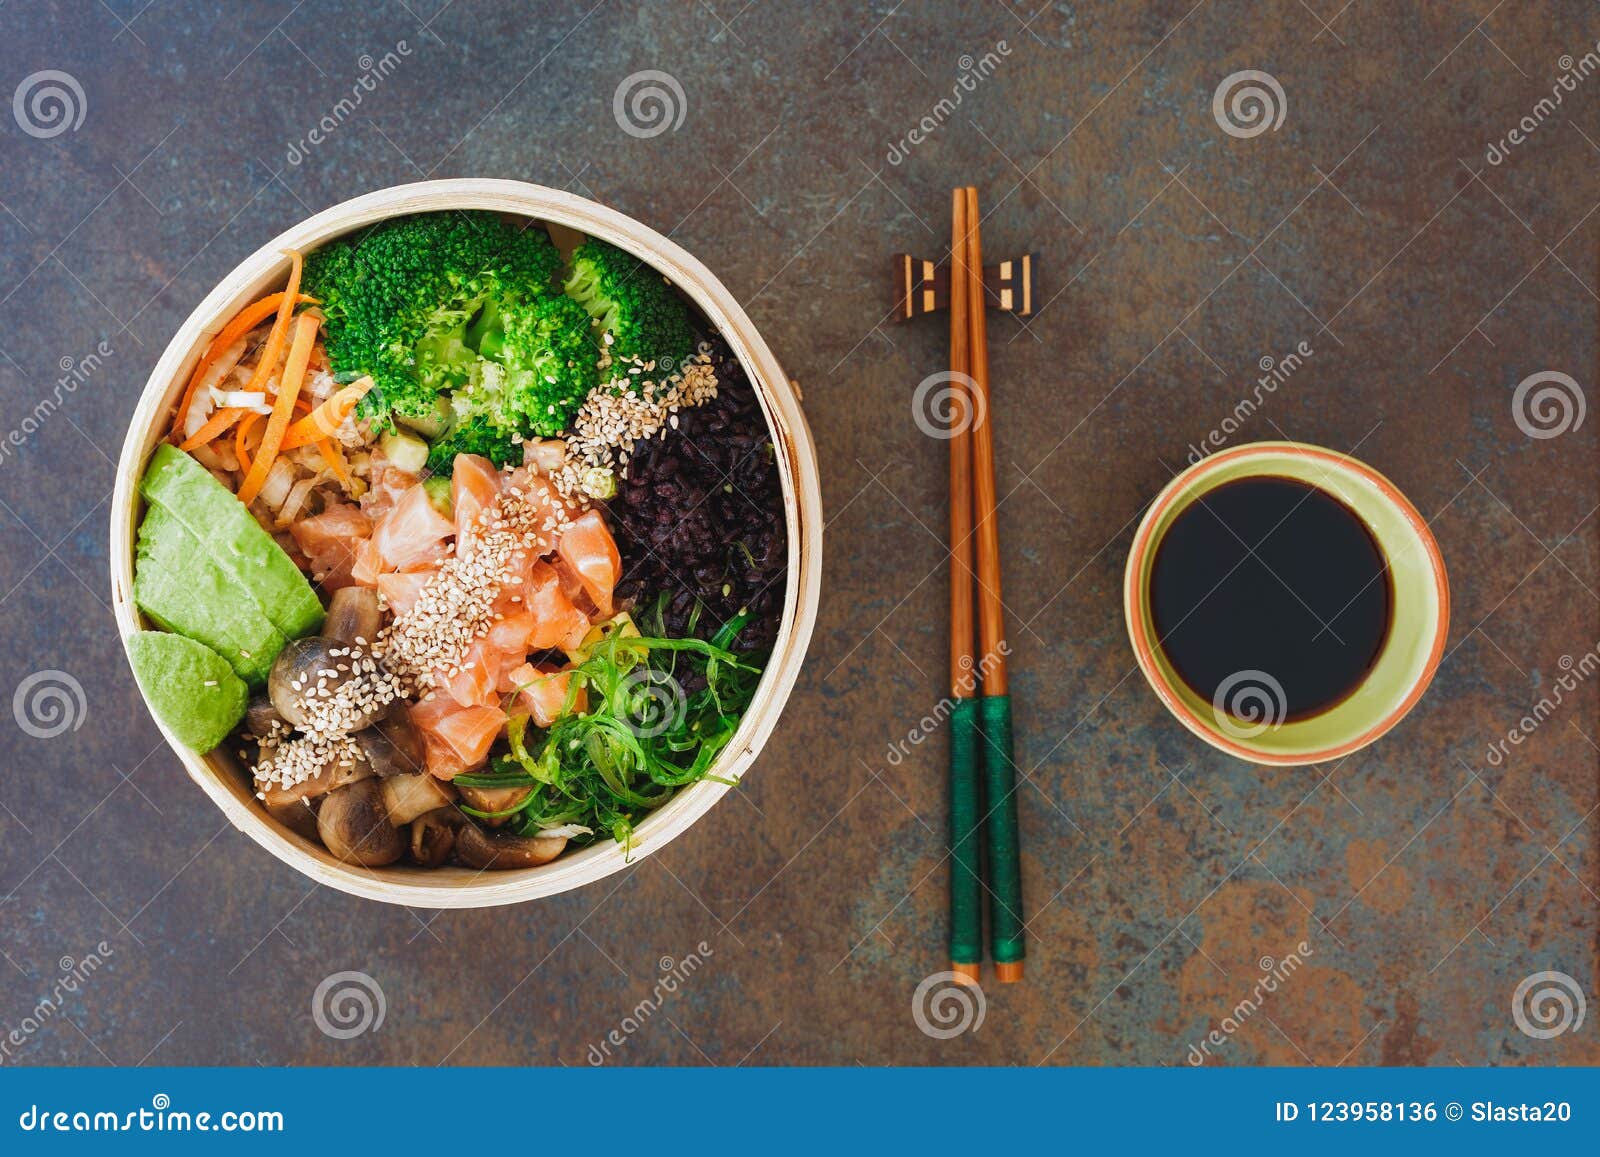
{"x": 1429, "y": 282}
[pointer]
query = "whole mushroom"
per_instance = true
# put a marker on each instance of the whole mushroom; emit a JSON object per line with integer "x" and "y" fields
{"x": 296, "y": 815}
{"x": 405, "y": 797}
{"x": 393, "y": 746}
{"x": 433, "y": 835}
{"x": 261, "y": 718}
{"x": 352, "y": 615}
{"x": 494, "y": 802}
{"x": 307, "y": 682}
{"x": 355, "y": 827}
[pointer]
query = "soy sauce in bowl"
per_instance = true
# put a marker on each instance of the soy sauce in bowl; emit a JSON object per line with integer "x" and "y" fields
{"x": 1271, "y": 575}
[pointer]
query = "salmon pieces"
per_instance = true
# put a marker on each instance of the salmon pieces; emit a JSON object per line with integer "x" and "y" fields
{"x": 456, "y": 738}
{"x": 474, "y": 487}
{"x": 412, "y": 536}
{"x": 545, "y": 604}
{"x": 588, "y": 548}
{"x": 330, "y": 540}
{"x": 535, "y": 615}
{"x": 542, "y": 692}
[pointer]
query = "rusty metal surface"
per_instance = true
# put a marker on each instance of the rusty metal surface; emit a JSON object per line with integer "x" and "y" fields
{"x": 1426, "y": 877}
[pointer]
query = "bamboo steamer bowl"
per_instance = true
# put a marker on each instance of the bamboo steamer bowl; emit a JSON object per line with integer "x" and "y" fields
{"x": 219, "y": 773}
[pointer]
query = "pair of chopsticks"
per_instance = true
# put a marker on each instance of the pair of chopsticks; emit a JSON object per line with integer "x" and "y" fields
{"x": 981, "y": 718}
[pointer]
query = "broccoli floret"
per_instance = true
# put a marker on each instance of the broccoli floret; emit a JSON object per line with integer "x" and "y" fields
{"x": 631, "y": 302}
{"x": 405, "y": 300}
{"x": 537, "y": 366}
{"x": 549, "y": 362}
{"x": 474, "y": 437}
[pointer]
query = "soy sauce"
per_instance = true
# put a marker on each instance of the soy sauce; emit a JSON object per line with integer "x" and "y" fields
{"x": 1271, "y": 575}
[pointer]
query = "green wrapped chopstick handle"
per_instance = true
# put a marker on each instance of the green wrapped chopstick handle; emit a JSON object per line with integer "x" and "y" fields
{"x": 966, "y": 885}
{"x": 1006, "y": 932}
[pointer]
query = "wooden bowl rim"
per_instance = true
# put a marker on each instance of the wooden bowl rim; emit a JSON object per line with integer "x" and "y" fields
{"x": 797, "y": 466}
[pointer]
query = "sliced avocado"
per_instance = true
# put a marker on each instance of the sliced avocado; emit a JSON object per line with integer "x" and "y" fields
{"x": 182, "y": 588}
{"x": 234, "y": 539}
{"x": 190, "y": 688}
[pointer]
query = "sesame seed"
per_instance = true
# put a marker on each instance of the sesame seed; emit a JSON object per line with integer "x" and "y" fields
{"x": 456, "y": 606}
{"x": 623, "y": 411}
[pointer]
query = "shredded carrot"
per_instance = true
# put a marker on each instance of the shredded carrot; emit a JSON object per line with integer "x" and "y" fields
{"x": 216, "y": 425}
{"x": 335, "y": 459}
{"x": 242, "y": 435}
{"x": 294, "y": 374}
{"x": 241, "y": 440}
{"x": 273, "y": 350}
{"x": 326, "y": 419}
{"x": 243, "y": 322}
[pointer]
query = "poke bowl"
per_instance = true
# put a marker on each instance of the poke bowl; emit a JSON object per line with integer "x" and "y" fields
{"x": 466, "y": 543}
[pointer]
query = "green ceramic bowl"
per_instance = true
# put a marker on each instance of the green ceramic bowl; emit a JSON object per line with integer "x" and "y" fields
{"x": 1246, "y": 722}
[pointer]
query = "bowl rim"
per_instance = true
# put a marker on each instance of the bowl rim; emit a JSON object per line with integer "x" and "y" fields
{"x": 1133, "y": 588}
{"x": 798, "y": 474}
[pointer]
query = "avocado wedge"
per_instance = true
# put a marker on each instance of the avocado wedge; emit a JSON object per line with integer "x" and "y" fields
{"x": 225, "y": 530}
{"x": 190, "y": 688}
{"x": 182, "y": 588}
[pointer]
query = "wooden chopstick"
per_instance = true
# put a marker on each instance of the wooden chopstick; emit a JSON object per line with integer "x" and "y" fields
{"x": 1007, "y": 937}
{"x": 966, "y": 886}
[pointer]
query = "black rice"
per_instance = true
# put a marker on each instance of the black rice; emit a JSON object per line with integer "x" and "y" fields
{"x": 699, "y": 518}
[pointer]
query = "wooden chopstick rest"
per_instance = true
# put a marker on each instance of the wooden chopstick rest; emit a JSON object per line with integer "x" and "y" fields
{"x": 923, "y": 287}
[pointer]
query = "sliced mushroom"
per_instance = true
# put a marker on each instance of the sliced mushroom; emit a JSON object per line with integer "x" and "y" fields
{"x": 330, "y": 778}
{"x": 493, "y": 800}
{"x": 355, "y": 827}
{"x": 405, "y": 797}
{"x": 477, "y": 849}
{"x": 393, "y": 746}
{"x": 433, "y": 835}
{"x": 352, "y": 615}
{"x": 308, "y": 668}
